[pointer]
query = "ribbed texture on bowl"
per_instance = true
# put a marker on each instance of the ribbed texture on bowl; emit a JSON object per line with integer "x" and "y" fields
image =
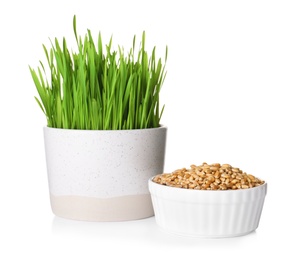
{"x": 202, "y": 213}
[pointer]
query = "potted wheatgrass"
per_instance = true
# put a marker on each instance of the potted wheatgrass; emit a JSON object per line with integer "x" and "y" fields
{"x": 103, "y": 138}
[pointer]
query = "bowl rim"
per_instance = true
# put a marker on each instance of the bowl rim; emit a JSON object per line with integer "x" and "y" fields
{"x": 151, "y": 182}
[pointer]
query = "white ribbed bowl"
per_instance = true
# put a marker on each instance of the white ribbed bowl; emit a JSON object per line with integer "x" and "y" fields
{"x": 207, "y": 213}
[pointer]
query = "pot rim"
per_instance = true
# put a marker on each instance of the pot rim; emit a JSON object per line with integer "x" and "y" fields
{"x": 122, "y": 130}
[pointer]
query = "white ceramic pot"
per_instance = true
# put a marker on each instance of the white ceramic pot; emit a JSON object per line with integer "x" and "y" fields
{"x": 102, "y": 175}
{"x": 207, "y": 213}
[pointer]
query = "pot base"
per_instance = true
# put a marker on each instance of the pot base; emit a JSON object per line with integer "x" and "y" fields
{"x": 83, "y": 208}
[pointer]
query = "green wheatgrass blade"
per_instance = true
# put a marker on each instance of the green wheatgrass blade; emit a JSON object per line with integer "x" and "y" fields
{"x": 59, "y": 112}
{"x": 40, "y": 105}
{"x": 99, "y": 45}
{"x": 51, "y": 59}
{"x": 75, "y": 103}
{"x": 139, "y": 115}
{"x": 153, "y": 60}
{"x": 166, "y": 54}
{"x": 95, "y": 115}
{"x": 147, "y": 100}
{"x": 75, "y": 27}
{"x": 67, "y": 103}
{"x": 58, "y": 56}
{"x": 133, "y": 48}
{"x": 161, "y": 113}
{"x": 133, "y": 108}
{"x": 47, "y": 55}
{"x": 46, "y": 84}
{"x": 41, "y": 78}
{"x": 127, "y": 94}
{"x": 41, "y": 89}
{"x": 110, "y": 99}
{"x": 137, "y": 101}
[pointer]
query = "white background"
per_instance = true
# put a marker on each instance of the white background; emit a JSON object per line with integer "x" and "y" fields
{"x": 225, "y": 102}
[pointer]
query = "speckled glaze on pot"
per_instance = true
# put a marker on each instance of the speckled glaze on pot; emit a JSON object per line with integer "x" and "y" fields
{"x": 99, "y": 175}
